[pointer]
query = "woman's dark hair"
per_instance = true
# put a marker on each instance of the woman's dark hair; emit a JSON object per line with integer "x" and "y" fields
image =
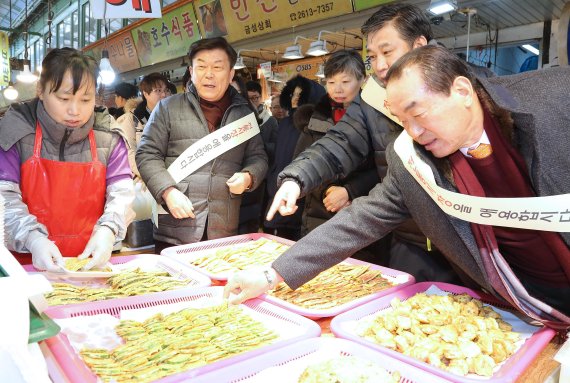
{"x": 438, "y": 66}
{"x": 410, "y": 22}
{"x": 151, "y": 81}
{"x": 60, "y": 60}
{"x": 210, "y": 44}
{"x": 345, "y": 61}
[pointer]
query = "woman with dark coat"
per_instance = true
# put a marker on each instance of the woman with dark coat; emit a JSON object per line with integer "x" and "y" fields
{"x": 297, "y": 91}
{"x": 344, "y": 74}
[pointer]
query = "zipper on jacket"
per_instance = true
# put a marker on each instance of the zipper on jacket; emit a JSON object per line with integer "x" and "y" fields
{"x": 63, "y": 142}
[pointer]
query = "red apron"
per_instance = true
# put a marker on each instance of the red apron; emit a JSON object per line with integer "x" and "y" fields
{"x": 67, "y": 197}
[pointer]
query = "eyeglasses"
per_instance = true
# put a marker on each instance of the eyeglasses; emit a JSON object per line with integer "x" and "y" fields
{"x": 276, "y": 107}
{"x": 162, "y": 91}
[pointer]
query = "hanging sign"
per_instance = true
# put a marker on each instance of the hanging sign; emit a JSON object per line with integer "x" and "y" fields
{"x": 163, "y": 39}
{"x": 4, "y": 59}
{"x": 126, "y": 9}
{"x": 306, "y": 67}
{"x": 266, "y": 69}
{"x": 242, "y": 19}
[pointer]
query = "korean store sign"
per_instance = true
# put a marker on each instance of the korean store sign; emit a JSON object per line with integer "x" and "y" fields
{"x": 4, "y": 59}
{"x": 122, "y": 52}
{"x": 242, "y": 19}
{"x": 162, "y": 39}
{"x": 125, "y": 9}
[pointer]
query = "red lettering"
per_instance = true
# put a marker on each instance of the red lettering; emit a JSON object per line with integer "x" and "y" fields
{"x": 138, "y": 5}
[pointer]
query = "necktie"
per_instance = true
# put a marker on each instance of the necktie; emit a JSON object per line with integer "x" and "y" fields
{"x": 481, "y": 151}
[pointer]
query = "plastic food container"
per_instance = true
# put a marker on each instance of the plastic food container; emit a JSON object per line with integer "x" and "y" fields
{"x": 286, "y": 364}
{"x": 401, "y": 278}
{"x": 77, "y": 371}
{"x": 146, "y": 262}
{"x": 187, "y": 253}
{"x": 343, "y": 327}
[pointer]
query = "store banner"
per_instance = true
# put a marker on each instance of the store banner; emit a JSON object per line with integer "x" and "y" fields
{"x": 4, "y": 59}
{"x": 170, "y": 37}
{"x": 359, "y": 5}
{"x": 126, "y": 9}
{"x": 243, "y": 19}
{"x": 122, "y": 52}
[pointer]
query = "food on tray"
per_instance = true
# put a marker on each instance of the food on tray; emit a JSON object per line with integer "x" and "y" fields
{"x": 164, "y": 345}
{"x": 123, "y": 284}
{"x": 347, "y": 369}
{"x": 233, "y": 258}
{"x": 335, "y": 286}
{"x": 74, "y": 264}
{"x": 456, "y": 333}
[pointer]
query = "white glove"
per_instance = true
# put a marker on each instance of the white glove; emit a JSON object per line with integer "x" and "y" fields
{"x": 46, "y": 255}
{"x": 239, "y": 182}
{"x": 285, "y": 200}
{"x": 178, "y": 204}
{"x": 251, "y": 283}
{"x": 100, "y": 246}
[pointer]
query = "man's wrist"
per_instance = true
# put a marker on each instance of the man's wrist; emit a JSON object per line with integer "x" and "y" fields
{"x": 271, "y": 277}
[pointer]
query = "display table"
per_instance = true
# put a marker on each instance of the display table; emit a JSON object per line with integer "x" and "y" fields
{"x": 540, "y": 370}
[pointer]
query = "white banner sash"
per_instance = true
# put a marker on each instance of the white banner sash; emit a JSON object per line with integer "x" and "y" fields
{"x": 550, "y": 213}
{"x": 207, "y": 149}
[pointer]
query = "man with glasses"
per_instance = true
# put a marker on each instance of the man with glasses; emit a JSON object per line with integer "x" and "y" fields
{"x": 276, "y": 110}
{"x": 201, "y": 150}
{"x": 154, "y": 87}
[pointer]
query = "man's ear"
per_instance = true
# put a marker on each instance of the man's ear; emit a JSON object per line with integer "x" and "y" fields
{"x": 39, "y": 91}
{"x": 462, "y": 87}
{"x": 419, "y": 42}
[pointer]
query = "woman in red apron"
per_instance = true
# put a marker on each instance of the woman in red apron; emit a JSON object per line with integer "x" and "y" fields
{"x": 63, "y": 172}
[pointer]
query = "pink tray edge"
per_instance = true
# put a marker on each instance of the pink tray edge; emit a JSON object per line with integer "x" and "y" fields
{"x": 315, "y": 314}
{"x": 509, "y": 372}
{"x": 77, "y": 371}
{"x": 171, "y": 252}
{"x": 246, "y": 369}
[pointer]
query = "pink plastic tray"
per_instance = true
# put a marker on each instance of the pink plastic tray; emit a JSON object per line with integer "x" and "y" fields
{"x": 508, "y": 372}
{"x": 301, "y": 352}
{"x": 77, "y": 371}
{"x": 197, "y": 279}
{"x": 183, "y": 252}
{"x": 316, "y": 313}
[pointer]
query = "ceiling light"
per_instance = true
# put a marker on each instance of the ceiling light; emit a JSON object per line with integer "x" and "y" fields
{"x": 10, "y": 93}
{"x": 531, "y": 49}
{"x": 439, "y": 7}
{"x": 239, "y": 63}
{"x": 318, "y": 48}
{"x": 321, "y": 72}
{"x": 26, "y": 75}
{"x": 105, "y": 69}
{"x": 293, "y": 52}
